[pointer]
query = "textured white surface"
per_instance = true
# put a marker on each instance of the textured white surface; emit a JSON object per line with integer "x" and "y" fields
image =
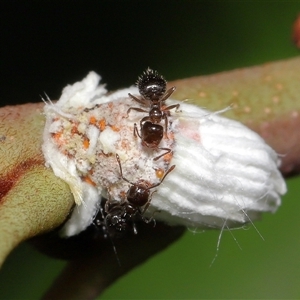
{"x": 224, "y": 171}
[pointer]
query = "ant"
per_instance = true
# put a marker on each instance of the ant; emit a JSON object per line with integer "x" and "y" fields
{"x": 120, "y": 216}
{"x": 152, "y": 88}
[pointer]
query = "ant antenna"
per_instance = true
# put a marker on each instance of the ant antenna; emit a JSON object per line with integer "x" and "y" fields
{"x": 153, "y": 186}
{"x": 119, "y": 162}
{"x": 107, "y": 234}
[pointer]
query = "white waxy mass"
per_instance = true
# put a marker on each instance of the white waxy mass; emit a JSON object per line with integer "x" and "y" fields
{"x": 224, "y": 171}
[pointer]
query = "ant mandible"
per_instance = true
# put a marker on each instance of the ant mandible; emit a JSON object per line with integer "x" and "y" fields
{"x": 120, "y": 215}
{"x": 152, "y": 88}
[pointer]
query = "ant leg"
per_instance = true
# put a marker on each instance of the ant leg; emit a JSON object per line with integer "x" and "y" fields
{"x": 150, "y": 198}
{"x": 167, "y": 151}
{"x": 135, "y": 108}
{"x": 135, "y": 131}
{"x": 142, "y": 101}
{"x": 166, "y": 125}
{"x": 168, "y": 94}
{"x": 119, "y": 162}
{"x": 106, "y": 205}
{"x": 166, "y": 117}
{"x": 171, "y": 107}
{"x": 101, "y": 220}
{"x": 148, "y": 203}
{"x": 169, "y": 171}
{"x": 147, "y": 221}
{"x": 105, "y": 209}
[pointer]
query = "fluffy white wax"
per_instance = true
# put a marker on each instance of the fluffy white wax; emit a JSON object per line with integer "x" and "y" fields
{"x": 224, "y": 171}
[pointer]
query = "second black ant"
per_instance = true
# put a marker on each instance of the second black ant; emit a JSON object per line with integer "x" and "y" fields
{"x": 120, "y": 216}
{"x": 152, "y": 88}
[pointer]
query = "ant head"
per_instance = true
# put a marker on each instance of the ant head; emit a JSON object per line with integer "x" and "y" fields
{"x": 151, "y": 85}
{"x": 138, "y": 194}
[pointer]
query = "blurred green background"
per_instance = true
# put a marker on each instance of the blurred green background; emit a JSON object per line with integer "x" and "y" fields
{"x": 49, "y": 44}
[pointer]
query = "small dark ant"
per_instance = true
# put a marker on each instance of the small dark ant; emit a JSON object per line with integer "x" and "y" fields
{"x": 152, "y": 88}
{"x": 120, "y": 216}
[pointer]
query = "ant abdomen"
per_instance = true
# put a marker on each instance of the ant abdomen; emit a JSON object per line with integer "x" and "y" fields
{"x": 151, "y": 134}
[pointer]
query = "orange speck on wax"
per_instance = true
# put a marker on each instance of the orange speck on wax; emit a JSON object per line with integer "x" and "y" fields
{"x": 58, "y": 138}
{"x": 102, "y": 124}
{"x": 115, "y": 128}
{"x": 57, "y": 135}
{"x": 159, "y": 173}
{"x": 110, "y": 105}
{"x": 168, "y": 157}
{"x": 93, "y": 120}
{"x": 74, "y": 129}
{"x": 88, "y": 180}
{"x": 86, "y": 143}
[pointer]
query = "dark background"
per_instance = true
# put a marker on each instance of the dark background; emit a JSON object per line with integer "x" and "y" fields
{"x": 46, "y": 45}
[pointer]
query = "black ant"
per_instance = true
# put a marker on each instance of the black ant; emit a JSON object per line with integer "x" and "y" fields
{"x": 152, "y": 88}
{"x": 120, "y": 216}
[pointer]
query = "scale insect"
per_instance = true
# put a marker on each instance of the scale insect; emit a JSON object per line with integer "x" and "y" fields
{"x": 152, "y": 87}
